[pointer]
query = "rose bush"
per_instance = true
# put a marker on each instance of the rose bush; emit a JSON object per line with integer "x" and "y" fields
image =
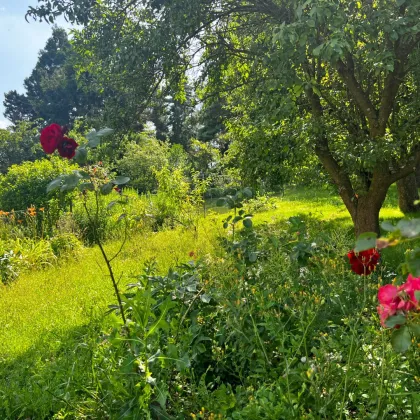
{"x": 364, "y": 262}
{"x": 398, "y": 300}
{"x": 67, "y": 147}
{"x": 53, "y": 138}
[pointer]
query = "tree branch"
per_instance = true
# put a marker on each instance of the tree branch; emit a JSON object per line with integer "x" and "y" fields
{"x": 322, "y": 150}
{"x": 346, "y": 72}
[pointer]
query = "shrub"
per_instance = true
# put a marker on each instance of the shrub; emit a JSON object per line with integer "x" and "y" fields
{"x": 140, "y": 160}
{"x": 64, "y": 244}
{"x": 25, "y": 185}
{"x": 19, "y": 254}
{"x": 110, "y": 223}
{"x": 171, "y": 196}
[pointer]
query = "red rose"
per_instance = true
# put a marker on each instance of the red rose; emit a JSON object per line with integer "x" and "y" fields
{"x": 50, "y": 137}
{"x": 364, "y": 262}
{"x": 401, "y": 299}
{"x": 67, "y": 147}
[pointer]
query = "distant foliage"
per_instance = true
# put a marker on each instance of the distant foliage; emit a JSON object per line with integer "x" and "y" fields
{"x": 141, "y": 159}
{"x": 19, "y": 145}
{"x": 25, "y": 185}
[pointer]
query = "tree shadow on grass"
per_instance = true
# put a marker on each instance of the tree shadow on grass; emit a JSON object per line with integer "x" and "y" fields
{"x": 54, "y": 373}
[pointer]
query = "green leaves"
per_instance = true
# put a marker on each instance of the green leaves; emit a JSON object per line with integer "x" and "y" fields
{"x": 205, "y": 298}
{"x": 107, "y": 188}
{"x": 247, "y": 222}
{"x": 95, "y": 137}
{"x": 67, "y": 182}
{"x": 55, "y": 184}
{"x": 81, "y": 155}
{"x": 413, "y": 262}
{"x": 365, "y": 241}
{"x": 120, "y": 180}
{"x": 401, "y": 339}
{"x": 393, "y": 321}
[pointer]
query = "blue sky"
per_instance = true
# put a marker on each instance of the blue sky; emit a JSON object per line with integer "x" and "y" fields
{"x": 19, "y": 46}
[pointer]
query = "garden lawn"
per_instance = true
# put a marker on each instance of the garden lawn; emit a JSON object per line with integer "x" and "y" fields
{"x": 50, "y": 319}
{"x": 54, "y": 300}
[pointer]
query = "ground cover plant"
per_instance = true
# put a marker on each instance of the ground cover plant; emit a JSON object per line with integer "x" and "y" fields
{"x": 271, "y": 325}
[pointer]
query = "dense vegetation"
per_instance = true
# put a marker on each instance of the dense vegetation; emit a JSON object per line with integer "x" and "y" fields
{"x": 208, "y": 210}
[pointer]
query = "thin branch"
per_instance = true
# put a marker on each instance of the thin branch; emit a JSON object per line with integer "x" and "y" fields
{"x": 107, "y": 261}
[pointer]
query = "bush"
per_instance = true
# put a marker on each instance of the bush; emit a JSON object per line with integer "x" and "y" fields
{"x": 25, "y": 185}
{"x": 18, "y": 254}
{"x": 172, "y": 194}
{"x": 140, "y": 160}
{"x": 65, "y": 244}
{"x": 117, "y": 213}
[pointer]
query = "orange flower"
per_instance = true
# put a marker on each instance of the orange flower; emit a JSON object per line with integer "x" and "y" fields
{"x": 20, "y": 221}
{"x": 31, "y": 211}
{"x": 41, "y": 209}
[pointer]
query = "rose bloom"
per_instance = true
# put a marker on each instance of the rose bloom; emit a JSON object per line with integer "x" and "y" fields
{"x": 364, "y": 262}
{"x": 393, "y": 299}
{"x": 67, "y": 147}
{"x": 50, "y": 137}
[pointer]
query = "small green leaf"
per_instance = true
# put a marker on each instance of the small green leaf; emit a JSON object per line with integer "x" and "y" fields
{"x": 365, "y": 241}
{"x": 388, "y": 227}
{"x": 104, "y": 132}
{"x": 225, "y": 225}
{"x": 81, "y": 156}
{"x": 107, "y": 188}
{"x": 247, "y": 223}
{"x": 55, "y": 184}
{"x": 81, "y": 174}
{"x": 415, "y": 329}
{"x": 401, "y": 339}
{"x": 409, "y": 228}
{"x": 93, "y": 139}
{"x": 122, "y": 216}
{"x": 252, "y": 257}
{"x": 111, "y": 204}
{"x": 120, "y": 180}
{"x": 86, "y": 186}
{"x": 71, "y": 181}
{"x": 413, "y": 262}
{"x": 393, "y": 321}
{"x": 247, "y": 192}
{"x": 205, "y": 298}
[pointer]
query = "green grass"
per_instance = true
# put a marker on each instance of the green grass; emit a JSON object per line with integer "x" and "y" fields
{"x": 54, "y": 300}
{"x": 50, "y": 318}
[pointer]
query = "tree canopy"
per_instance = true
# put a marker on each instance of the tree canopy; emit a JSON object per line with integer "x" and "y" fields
{"x": 344, "y": 73}
{"x": 51, "y": 91}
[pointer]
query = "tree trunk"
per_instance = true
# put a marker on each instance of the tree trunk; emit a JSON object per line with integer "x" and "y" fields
{"x": 366, "y": 214}
{"x": 408, "y": 193}
{"x": 418, "y": 176}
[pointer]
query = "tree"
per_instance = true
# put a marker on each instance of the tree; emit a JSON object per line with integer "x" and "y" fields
{"x": 347, "y": 68}
{"x": 52, "y": 92}
{"x": 17, "y": 107}
{"x": 141, "y": 159}
{"x": 408, "y": 194}
{"x": 19, "y": 144}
